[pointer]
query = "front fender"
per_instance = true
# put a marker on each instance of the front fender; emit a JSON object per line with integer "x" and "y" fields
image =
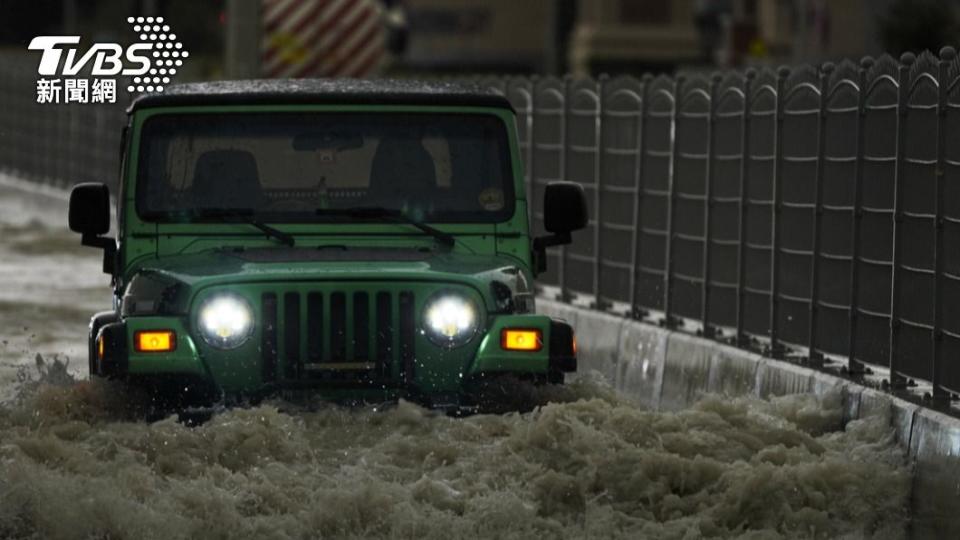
{"x": 558, "y": 353}
{"x": 120, "y": 357}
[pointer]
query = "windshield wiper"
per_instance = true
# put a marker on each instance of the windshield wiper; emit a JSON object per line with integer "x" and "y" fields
{"x": 245, "y": 215}
{"x": 381, "y": 213}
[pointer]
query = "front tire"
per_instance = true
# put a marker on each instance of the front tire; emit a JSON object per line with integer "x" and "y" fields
{"x": 510, "y": 392}
{"x": 96, "y": 323}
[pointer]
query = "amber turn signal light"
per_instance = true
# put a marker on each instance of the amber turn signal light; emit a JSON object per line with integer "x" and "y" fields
{"x": 521, "y": 339}
{"x": 155, "y": 340}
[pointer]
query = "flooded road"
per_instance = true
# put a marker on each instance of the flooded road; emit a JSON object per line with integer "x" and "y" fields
{"x": 75, "y": 461}
{"x": 49, "y": 283}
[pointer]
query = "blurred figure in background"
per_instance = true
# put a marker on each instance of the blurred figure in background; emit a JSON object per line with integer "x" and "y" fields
{"x": 709, "y": 18}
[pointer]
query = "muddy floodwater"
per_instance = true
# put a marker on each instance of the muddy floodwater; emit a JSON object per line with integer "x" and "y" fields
{"x": 76, "y": 461}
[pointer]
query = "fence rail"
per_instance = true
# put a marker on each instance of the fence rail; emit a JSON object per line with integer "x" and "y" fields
{"x": 57, "y": 143}
{"x": 812, "y": 209}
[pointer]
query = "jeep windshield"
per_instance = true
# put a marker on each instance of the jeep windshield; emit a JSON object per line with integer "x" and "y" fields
{"x": 290, "y": 167}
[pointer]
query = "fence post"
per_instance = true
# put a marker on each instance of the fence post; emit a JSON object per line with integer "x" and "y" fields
{"x": 741, "y": 337}
{"x": 708, "y": 330}
{"x": 775, "y": 349}
{"x": 598, "y": 184}
{"x": 8, "y": 122}
{"x": 62, "y": 155}
{"x": 636, "y": 311}
{"x": 814, "y": 356}
{"x": 898, "y": 381}
{"x": 530, "y": 150}
{"x": 46, "y": 147}
{"x": 531, "y": 168}
{"x": 855, "y": 367}
{"x": 38, "y": 124}
{"x": 565, "y": 295}
{"x": 947, "y": 56}
{"x": 668, "y": 319}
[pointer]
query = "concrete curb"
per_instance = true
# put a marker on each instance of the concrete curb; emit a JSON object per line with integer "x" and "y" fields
{"x": 667, "y": 370}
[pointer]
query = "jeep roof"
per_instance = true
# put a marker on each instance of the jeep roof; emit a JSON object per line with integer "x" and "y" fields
{"x": 320, "y": 91}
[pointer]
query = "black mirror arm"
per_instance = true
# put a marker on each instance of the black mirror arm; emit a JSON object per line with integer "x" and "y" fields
{"x": 540, "y": 245}
{"x": 109, "y": 247}
{"x": 92, "y": 240}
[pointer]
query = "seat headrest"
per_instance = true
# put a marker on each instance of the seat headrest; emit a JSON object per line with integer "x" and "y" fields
{"x": 226, "y": 179}
{"x": 402, "y": 164}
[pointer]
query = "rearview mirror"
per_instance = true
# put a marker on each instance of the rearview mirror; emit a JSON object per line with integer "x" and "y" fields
{"x": 90, "y": 209}
{"x": 327, "y": 140}
{"x": 564, "y": 211}
{"x": 89, "y": 215}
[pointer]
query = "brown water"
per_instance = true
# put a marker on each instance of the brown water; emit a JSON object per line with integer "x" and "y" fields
{"x": 75, "y": 461}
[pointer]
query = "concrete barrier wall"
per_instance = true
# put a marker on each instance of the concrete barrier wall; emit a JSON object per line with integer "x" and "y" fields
{"x": 666, "y": 370}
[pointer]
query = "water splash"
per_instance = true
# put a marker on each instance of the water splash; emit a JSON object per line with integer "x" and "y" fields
{"x": 74, "y": 463}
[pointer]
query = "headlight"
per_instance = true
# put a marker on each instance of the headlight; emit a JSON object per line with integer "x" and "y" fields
{"x": 450, "y": 319}
{"x": 225, "y": 320}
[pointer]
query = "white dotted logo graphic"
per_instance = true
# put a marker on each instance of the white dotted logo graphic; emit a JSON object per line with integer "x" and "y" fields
{"x": 166, "y": 56}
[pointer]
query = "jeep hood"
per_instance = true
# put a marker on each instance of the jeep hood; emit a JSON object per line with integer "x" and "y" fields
{"x": 228, "y": 266}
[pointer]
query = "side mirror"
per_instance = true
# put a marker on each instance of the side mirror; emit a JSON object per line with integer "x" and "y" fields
{"x": 564, "y": 211}
{"x": 90, "y": 209}
{"x": 564, "y": 208}
{"x": 90, "y": 216}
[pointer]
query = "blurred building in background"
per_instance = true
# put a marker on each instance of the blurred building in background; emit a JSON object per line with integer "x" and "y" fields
{"x": 311, "y": 38}
{"x": 494, "y": 35}
{"x": 636, "y": 36}
{"x": 629, "y": 35}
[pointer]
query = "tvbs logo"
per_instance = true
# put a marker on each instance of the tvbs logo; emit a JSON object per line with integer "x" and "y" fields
{"x": 149, "y": 62}
{"x": 107, "y": 57}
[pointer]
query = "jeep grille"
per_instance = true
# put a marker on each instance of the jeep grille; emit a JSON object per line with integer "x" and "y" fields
{"x": 348, "y": 336}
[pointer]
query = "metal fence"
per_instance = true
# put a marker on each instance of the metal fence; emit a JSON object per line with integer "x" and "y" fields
{"x": 807, "y": 209}
{"x": 56, "y": 143}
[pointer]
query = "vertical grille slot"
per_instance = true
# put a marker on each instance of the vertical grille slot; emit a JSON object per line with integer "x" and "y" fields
{"x": 351, "y": 335}
{"x": 314, "y": 327}
{"x": 384, "y": 333}
{"x": 361, "y": 327}
{"x": 291, "y": 334}
{"x": 407, "y": 328}
{"x": 268, "y": 345}
{"x": 338, "y": 327}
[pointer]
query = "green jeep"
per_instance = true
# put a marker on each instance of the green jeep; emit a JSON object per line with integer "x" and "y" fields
{"x": 361, "y": 241}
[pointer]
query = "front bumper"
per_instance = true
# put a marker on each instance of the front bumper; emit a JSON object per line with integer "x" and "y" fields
{"x": 436, "y": 372}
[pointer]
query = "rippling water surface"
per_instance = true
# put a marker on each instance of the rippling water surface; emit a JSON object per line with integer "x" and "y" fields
{"x": 49, "y": 283}
{"x": 77, "y": 462}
